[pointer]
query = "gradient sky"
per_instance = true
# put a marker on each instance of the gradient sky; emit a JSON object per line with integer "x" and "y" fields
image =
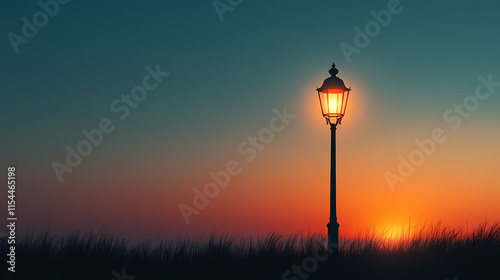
{"x": 226, "y": 77}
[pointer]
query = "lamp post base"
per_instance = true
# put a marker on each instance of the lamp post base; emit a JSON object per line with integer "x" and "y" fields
{"x": 333, "y": 237}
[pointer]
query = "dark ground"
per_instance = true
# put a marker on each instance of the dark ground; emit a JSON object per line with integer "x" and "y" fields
{"x": 436, "y": 253}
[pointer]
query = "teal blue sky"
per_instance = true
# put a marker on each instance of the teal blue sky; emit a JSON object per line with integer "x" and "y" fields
{"x": 226, "y": 77}
{"x": 225, "y": 74}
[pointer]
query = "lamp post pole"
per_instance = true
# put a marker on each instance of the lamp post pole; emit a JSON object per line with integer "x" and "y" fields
{"x": 333, "y": 95}
{"x": 333, "y": 225}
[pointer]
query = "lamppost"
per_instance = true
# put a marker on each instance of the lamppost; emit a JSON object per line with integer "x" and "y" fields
{"x": 333, "y": 95}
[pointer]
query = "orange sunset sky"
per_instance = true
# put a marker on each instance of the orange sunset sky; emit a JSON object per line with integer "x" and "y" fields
{"x": 431, "y": 68}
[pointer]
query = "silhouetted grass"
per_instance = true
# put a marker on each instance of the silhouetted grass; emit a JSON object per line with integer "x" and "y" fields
{"x": 431, "y": 252}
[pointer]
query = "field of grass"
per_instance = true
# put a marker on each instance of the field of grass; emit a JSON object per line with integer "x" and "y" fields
{"x": 432, "y": 252}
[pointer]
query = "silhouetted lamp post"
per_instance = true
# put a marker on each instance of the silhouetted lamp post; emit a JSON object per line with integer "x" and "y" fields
{"x": 333, "y": 95}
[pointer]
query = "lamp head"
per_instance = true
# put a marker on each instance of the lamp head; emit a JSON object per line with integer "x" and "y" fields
{"x": 333, "y": 95}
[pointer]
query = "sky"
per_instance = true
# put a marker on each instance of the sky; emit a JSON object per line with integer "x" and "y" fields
{"x": 221, "y": 73}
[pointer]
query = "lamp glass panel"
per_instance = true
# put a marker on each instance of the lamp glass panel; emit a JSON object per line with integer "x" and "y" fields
{"x": 333, "y": 102}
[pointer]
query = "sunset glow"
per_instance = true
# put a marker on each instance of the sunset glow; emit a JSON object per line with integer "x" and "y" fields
{"x": 235, "y": 139}
{"x": 160, "y": 155}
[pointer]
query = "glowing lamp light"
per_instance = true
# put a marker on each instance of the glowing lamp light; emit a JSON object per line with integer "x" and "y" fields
{"x": 333, "y": 96}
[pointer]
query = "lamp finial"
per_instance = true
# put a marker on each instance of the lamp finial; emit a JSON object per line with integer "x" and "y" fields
{"x": 334, "y": 71}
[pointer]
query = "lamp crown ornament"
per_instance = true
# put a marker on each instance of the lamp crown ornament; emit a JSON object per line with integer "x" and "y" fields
{"x": 334, "y": 71}
{"x": 333, "y": 82}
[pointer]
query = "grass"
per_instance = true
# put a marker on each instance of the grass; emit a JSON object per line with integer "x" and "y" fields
{"x": 432, "y": 252}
